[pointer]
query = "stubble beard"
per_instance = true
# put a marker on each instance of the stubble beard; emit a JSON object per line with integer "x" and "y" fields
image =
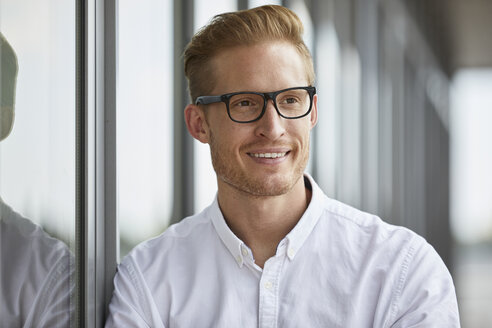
{"x": 249, "y": 184}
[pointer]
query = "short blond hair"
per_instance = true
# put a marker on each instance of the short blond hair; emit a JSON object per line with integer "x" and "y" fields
{"x": 245, "y": 27}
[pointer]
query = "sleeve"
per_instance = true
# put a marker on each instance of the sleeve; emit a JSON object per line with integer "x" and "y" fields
{"x": 132, "y": 304}
{"x": 425, "y": 294}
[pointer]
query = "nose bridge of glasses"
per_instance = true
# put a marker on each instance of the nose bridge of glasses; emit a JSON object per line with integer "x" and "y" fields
{"x": 267, "y": 96}
{"x": 270, "y": 96}
{"x": 270, "y": 102}
{"x": 270, "y": 107}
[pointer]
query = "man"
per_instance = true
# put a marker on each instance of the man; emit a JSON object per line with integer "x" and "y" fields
{"x": 36, "y": 270}
{"x": 272, "y": 250}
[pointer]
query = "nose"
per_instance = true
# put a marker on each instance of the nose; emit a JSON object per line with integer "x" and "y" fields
{"x": 271, "y": 124}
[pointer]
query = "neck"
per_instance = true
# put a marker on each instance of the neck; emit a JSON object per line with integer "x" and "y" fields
{"x": 262, "y": 222}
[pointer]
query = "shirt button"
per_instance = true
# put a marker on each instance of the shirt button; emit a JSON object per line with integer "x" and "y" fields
{"x": 290, "y": 252}
{"x": 244, "y": 251}
{"x": 268, "y": 285}
{"x": 238, "y": 259}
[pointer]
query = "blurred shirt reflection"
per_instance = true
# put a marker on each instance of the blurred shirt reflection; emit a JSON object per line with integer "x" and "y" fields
{"x": 35, "y": 273}
{"x": 36, "y": 270}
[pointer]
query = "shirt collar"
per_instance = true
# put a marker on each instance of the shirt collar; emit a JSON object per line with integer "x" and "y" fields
{"x": 230, "y": 240}
{"x": 295, "y": 238}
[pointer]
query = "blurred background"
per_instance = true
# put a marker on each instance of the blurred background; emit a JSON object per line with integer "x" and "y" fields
{"x": 405, "y": 114}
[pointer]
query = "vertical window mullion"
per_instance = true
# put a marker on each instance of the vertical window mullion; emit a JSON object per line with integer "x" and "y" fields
{"x": 109, "y": 239}
{"x": 183, "y": 143}
{"x": 100, "y": 242}
{"x": 80, "y": 162}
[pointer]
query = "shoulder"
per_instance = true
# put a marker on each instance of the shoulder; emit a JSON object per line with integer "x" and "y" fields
{"x": 355, "y": 223}
{"x": 22, "y": 239}
{"x": 145, "y": 279}
{"x": 177, "y": 240}
{"x": 362, "y": 237}
{"x": 414, "y": 281}
{"x": 345, "y": 222}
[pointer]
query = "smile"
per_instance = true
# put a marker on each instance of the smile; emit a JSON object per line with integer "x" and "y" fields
{"x": 267, "y": 155}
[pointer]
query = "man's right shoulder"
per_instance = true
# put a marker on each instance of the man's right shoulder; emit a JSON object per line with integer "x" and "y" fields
{"x": 179, "y": 239}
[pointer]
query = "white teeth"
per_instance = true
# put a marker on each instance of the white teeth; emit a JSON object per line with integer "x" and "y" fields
{"x": 268, "y": 155}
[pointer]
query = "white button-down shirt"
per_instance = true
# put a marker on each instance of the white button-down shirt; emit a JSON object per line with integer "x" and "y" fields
{"x": 338, "y": 267}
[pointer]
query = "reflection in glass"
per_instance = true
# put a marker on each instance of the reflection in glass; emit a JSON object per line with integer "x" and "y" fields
{"x": 36, "y": 164}
{"x": 35, "y": 274}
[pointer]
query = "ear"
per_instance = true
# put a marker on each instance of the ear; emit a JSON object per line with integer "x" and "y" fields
{"x": 196, "y": 123}
{"x": 314, "y": 112}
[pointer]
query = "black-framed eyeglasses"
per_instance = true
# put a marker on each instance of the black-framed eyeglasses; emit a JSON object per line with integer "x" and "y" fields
{"x": 246, "y": 106}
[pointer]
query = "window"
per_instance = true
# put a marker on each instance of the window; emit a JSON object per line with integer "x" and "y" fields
{"x": 144, "y": 120}
{"x": 37, "y": 160}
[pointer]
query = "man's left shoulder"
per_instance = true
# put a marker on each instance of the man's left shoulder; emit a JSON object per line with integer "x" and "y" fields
{"x": 362, "y": 224}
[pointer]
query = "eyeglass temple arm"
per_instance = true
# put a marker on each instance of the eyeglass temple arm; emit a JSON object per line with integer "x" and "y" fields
{"x": 205, "y": 100}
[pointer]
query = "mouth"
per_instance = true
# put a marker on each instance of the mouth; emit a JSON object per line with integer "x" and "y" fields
{"x": 270, "y": 156}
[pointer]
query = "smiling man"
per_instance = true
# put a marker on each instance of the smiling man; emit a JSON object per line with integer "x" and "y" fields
{"x": 272, "y": 250}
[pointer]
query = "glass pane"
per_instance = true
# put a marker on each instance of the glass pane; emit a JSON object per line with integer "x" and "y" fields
{"x": 144, "y": 119}
{"x": 328, "y": 83}
{"x": 37, "y": 162}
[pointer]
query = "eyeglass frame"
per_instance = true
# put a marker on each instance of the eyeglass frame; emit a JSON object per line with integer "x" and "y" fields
{"x": 225, "y": 98}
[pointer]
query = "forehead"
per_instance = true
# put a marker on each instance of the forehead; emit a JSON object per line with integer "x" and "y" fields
{"x": 266, "y": 66}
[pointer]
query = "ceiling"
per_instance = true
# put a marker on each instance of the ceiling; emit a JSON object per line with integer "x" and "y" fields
{"x": 459, "y": 31}
{"x": 470, "y": 28}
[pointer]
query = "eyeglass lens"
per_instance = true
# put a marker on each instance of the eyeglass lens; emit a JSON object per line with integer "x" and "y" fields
{"x": 248, "y": 106}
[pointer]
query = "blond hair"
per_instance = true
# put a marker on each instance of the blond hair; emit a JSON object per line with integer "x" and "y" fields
{"x": 245, "y": 27}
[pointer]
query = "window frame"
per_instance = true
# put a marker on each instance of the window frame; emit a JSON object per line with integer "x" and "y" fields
{"x": 97, "y": 233}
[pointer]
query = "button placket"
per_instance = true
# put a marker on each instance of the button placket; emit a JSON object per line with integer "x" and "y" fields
{"x": 269, "y": 291}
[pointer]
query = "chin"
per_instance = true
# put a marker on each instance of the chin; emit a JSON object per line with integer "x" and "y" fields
{"x": 268, "y": 186}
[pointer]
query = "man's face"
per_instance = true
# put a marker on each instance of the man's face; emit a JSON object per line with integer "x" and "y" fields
{"x": 240, "y": 151}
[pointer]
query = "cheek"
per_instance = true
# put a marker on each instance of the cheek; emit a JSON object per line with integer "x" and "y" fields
{"x": 227, "y": 140}
{"x": 302, "y": 134}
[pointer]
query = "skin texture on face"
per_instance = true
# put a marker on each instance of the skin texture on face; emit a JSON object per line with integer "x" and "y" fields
{"x": 235, "y": 147}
